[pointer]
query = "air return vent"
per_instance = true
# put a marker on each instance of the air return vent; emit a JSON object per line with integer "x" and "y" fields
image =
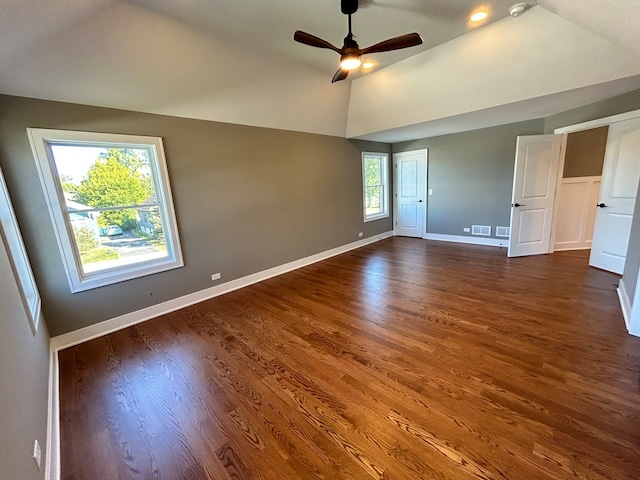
{"x": 503, "y": 232}
{"x": 484, "y": 230}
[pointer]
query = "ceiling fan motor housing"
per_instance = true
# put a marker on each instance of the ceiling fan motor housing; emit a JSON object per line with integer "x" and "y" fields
{"x": 349, "y": 7}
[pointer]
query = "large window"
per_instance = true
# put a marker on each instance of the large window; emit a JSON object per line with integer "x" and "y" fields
{"x": 375, "y": 185}
{"x": 110, "y": 202}
{"x": 10, "y": 236}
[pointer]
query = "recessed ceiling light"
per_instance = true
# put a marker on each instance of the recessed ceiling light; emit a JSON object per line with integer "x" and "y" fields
{"x": 479, "y": 16}
{"x": 367, "y": 65}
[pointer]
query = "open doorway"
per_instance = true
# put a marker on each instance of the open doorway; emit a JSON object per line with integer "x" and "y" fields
{"x": 579, "y": 189}
{"x": 615, "y": 198}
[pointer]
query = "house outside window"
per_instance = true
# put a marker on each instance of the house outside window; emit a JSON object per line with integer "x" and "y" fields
{"x": 375, "y": 177}
{"x": 110, "y": 202}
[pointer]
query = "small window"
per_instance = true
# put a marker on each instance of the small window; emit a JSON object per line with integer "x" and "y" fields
{"x": 375, "y": 185}
{"x": 110, "y": 202}
{"x": 10, "y": 236}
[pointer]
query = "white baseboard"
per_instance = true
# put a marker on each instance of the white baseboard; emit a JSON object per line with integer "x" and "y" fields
{"x": 492, "y": 242}
{"x": 564, "y": 247}
{"x": 108, "y": 326}
{"x": 52, "y": 461}
{"x": 631, "y": 315}
{"x": 625, "y": 303}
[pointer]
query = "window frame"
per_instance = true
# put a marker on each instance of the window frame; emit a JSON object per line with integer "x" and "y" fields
{"x": 41, "y": 140}
{"x": 11, "y": 237}
{"x": 383, "y": 158}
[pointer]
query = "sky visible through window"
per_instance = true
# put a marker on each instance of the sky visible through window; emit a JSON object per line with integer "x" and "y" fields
{"x": 74, "y": 161}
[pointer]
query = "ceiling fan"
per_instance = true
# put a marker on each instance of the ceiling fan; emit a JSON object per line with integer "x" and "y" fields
{"x": 350, "y": 52}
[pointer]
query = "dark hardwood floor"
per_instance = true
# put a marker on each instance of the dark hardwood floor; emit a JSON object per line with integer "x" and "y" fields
{"x": 405, "y": 359}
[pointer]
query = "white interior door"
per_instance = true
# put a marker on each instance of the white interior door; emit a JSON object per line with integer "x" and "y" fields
{"x": 534, "y": 190}
{"x": 410, "y": 199}
{"x": 620, "y": 177}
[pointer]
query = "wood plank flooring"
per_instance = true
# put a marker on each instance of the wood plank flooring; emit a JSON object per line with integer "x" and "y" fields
{"x": 405, "y": 359}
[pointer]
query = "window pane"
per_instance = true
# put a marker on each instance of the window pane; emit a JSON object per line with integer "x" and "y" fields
{"x": 373, "y": 200}
{"x": 94, "y": 177}
{"x": 372, "y": 171}
{"x": 99, "y": 183}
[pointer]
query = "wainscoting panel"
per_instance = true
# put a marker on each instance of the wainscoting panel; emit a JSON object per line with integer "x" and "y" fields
{"x": 576, "y": 213}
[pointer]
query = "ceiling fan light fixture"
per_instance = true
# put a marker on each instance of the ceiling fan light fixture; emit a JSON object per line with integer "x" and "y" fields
{"x": 349, "y": 61}
{"x": 367, "y": 65}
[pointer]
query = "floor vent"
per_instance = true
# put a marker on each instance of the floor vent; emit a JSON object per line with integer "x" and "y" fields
{"x": 503, "y": 232}
{"x": 484, "y": 230}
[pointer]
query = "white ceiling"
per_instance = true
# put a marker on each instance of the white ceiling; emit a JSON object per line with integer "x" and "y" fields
{"x": 236, "y": 61}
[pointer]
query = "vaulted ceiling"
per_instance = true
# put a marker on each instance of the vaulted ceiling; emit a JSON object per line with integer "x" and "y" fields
{"x": 235, "y": 61}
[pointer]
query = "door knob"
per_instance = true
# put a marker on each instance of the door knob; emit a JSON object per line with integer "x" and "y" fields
{"x": 601, "y": 205}
{"x": 419, "y": 201}
{"x": 518, "y": 205}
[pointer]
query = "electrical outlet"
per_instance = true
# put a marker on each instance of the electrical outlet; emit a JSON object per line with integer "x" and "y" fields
{"x": 37, "y": 454}
{"x": 216, "y": 276}
{"x": 466, "y": 230}
{"x": 431, "y": 191}
{"x": 360, "y": 234}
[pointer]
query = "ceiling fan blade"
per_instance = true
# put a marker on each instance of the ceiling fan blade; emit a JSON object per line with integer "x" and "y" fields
{"x": 313, "y": 41}
{"x": 395, "y": 43}
{"x": 340, "y": 75}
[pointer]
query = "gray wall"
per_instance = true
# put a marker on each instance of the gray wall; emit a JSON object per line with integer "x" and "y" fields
{"x": 585, "y": 153}
{"x": 471, "y": 174}
{"x": 632, "y": 264}
{"x": 24, "y": 374}
{"x": 246, "y": 199}
{"x": 612, "y": 106}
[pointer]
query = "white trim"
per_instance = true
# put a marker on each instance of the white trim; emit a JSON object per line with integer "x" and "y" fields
{"x": 108, "y": 326}
{"x": 625, "y": 303}
{"x": 559, "y": 179}
{"x": 491, "y": 242}
{"x": 18, "y": 260}
{"x": 570, "y": 247}
{"x": 52, "y": 462}
{"x": 600, "y": 122}
{"x": 633, "y": 326}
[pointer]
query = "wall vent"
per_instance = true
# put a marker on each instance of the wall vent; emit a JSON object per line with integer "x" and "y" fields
{"x": 484, "y": 230}
{"x": 503, "y": 232}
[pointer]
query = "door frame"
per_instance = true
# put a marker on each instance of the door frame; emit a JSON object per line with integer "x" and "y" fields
{"x": 578, "y": 127}
{"x": 426, "y": 187}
